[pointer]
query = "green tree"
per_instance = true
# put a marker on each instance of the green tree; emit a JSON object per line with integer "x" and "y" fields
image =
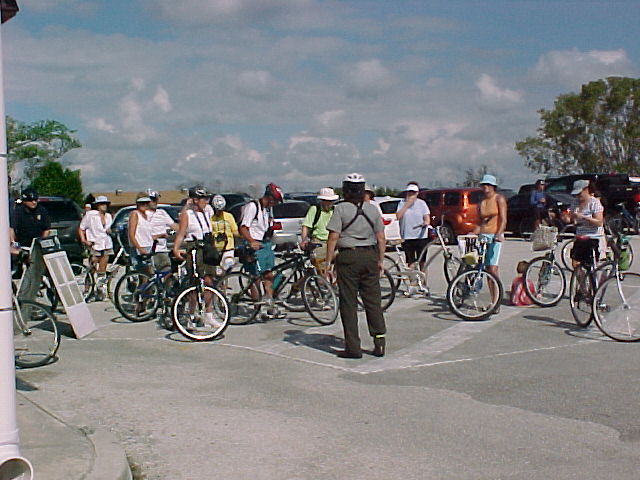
{"x": 54, "y": 179}
{"x": 596, "y": 130}
{"x": 472, "y": 176}
{"x": 34, "y": 144}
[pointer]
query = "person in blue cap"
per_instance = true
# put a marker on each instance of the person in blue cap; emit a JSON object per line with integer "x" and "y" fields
{"x": 493, "y": 221}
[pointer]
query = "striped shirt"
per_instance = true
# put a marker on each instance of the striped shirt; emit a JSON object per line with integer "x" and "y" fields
{"x": 583, "y": 227}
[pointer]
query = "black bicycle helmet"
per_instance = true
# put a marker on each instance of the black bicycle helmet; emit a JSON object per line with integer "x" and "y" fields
{"x": 198, "y": 192}
{"x": 29, "y": 194}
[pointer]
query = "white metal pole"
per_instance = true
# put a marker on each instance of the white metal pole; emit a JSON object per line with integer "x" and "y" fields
{"x": 12, "y": 464}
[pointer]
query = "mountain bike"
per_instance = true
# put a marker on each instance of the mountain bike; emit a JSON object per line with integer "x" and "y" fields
{"x": 475, "y": 293}
{"x": 296, "y": 286}
{"x": 200, "y": 312}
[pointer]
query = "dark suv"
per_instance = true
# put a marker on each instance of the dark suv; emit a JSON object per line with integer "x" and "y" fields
{"x": 456, "y": 209}
{"x": 65, "y": 219}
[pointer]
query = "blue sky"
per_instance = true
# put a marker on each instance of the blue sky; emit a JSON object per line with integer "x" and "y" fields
{"x": 300, "y": 92}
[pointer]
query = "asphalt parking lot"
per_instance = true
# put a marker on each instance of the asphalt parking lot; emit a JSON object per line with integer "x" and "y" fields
{"x": 524, "y": 395}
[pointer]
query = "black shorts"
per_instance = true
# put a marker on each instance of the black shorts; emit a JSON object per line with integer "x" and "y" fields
{"x": 413, "y": 248}
{"x": 586, "y": 250}
{"x": 540, "y": 213}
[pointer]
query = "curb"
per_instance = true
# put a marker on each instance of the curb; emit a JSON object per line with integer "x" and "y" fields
{"x": 110, "y": 461}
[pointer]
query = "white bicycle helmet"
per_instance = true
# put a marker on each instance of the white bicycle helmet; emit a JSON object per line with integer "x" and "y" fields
{"x": 354, "y": 178}
{"x": 218, "y": 202}
{"x": 152, "y": 194}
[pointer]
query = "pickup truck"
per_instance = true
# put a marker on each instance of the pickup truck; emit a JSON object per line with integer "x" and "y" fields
{"x": 614, "y": 188}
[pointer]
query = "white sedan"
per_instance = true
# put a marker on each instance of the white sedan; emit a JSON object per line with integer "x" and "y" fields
{"x": 389, "y": 205}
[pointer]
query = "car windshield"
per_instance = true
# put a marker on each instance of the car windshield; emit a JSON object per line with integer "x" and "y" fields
{"x": 234, "y": 198}
{"x": 61, "y": 211}
{"x": 290, "y": 210}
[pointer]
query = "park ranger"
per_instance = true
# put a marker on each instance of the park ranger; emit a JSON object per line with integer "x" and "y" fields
{"x": 357, "y": 231}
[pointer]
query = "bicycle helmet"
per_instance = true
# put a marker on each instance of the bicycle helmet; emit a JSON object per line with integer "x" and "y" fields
{"x": 274, "y": 192}
{"x": 353, "y": 185}
{"x": 29, "y": 194}
{"x": 152, "y": 194}
{"x": 198, "y": 192}
{"x": 218, "y": 202}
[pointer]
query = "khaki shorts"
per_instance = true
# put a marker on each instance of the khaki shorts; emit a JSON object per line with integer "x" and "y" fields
{"x": 202, "y": 268}
{"x": 319, "y": 253}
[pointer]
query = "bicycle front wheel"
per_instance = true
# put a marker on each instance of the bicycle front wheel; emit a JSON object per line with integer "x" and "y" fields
{"x": 136, "y": 297}
{"x": 244, "y": 298}
{"x": 200, "y": 313}
{"x": 616, "y": 306}
{"x": 290, "y": 293}
{"x": 35, "y": 335}
{"x": 544, "y": 282}
{"x": 581, "y": 297}
{"x": 320, "y": 299}
{"x": 474, "y": 294}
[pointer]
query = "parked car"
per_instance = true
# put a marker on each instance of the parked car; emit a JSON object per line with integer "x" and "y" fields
{"x": 65, "y": 220}
{"x": 121, "y": 221}
{"x": 454, "y": 209}
{"x": 614, "y": 188}
{"x": 235, "y": 198}
{"x": 389, "y": 207}
{"x": 310, "y": 197}
{"x": 520, "y": 214}
{"x": 287, "y": 220}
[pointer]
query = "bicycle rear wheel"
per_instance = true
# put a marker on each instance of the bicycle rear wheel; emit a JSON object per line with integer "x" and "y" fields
{"x": 474, "y": 294}
{"x": 453, "y": 266}
{"x": 244, "y": 301}
{"x": 387, "y": 291}
{"x": 84, "y": 279}
{"x": 544, "y": 282}
{"x": 565, "y": 254}
{"x": 290, "y": 293}
{"x": 616, "y": 306}
{"x": 200, "y": 313}
{"x": 136, "y": 297}
{"x": 35, "y": 335}
{"x": 393, "y": 267}
{"x": 320, "y": 299}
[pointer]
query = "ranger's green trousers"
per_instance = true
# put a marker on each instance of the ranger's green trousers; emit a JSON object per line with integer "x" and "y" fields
{"x": 358, "y": 273}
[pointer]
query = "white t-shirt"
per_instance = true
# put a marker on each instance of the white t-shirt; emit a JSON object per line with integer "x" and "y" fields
{"x": 256, "y": 220}
{"x": 95, "y": 231}
{"x": 160, "y": 220}
{"x": 198, "y": 225}
{"x": 411, "y": 222}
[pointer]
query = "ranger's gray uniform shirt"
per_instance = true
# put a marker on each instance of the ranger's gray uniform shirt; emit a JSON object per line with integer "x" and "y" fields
{"x": 359, "y": 233}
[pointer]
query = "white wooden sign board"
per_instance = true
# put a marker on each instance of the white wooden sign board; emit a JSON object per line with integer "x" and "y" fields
{"x": 69, "y": 292}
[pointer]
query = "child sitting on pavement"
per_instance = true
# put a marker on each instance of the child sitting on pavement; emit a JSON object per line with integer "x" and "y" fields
{"x": 519, "y": 297}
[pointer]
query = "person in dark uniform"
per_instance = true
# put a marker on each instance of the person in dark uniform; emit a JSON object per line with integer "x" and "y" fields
{"x": 29, "y": 220}
{"x": 357, "y": 231}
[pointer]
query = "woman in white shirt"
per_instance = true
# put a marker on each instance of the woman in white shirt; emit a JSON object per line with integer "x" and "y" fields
{"x": 95, "y": 229}
{"x": 140, "y": 230}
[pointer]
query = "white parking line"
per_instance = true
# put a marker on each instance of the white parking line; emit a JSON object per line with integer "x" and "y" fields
{"x": 431, "y": 347}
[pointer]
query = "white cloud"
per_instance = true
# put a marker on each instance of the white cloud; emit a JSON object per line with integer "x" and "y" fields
{"x": 161, "y": 99}
{"x": 257, "y": 84}
{"x": 369, "y": 78}
{"x": 494, "y": 96}
{"x": 574, "y": 68}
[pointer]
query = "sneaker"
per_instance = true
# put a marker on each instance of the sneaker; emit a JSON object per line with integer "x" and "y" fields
{"x": 275, "y": 312}
{"x": 210, "y": 321}
{"x": 412, "y": 291}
